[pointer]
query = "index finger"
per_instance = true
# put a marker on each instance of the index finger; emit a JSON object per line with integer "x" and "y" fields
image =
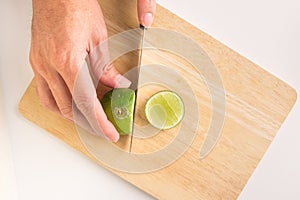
{"x": 146, "y": 11}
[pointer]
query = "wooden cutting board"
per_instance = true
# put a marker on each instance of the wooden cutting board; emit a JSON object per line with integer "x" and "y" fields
{"x": 257, "y": 103}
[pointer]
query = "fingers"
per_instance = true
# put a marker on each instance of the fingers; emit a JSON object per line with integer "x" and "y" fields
{"x": 54, "y": 90}
{"x": 85, "y": 98}
{"x": 81, "y": 121}
{"x": 45, "y": 94}
{"x": 146, "y": 11}
{"x": 87, "y": 111}
{"x": 61, "y": 94}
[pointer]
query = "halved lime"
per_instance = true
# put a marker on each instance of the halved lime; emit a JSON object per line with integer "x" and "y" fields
{"x": 164, "y": 109}
{"x": 118, "y": 104}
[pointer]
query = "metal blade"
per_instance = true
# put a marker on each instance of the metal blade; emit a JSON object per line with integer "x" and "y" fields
{"x": 137, "y": 79}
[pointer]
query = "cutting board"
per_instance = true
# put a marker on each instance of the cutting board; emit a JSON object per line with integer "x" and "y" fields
{"x": 256, "y": 104}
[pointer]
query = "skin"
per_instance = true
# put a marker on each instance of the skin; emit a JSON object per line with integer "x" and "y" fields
{"x": 64, "y": 32}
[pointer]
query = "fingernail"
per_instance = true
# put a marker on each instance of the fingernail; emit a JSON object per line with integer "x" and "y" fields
{"x": 122, "y": 82}
{"x": 147, "y": 19}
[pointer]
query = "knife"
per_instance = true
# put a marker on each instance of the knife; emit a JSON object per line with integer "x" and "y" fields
{"x": 143, "y": 32}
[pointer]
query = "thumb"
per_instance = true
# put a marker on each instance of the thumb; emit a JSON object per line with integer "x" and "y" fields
{"x": 146, "y": 11}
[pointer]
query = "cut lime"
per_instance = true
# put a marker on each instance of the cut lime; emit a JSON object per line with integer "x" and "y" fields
{"x": 164, "y": 110}
{"x": 118, "y": 104}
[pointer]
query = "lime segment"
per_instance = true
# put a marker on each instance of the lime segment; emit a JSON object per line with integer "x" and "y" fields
{"x": 118, "y": 104}
{"x": 164, "y": 110}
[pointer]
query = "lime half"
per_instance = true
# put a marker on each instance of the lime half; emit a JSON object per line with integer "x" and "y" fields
{"x": 118, "y": 104}
{"x": 164, "y": 110}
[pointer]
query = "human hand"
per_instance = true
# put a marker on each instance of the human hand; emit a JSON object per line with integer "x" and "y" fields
{"x": 64, "y": 32}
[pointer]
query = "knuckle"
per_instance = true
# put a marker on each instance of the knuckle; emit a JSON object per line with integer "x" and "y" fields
{"x": 66, "y": 63}
{"x": 84, "y": 105}
{"x": 99, "y": 35}
{"x": 35, "y": 61}
{"x": 66, "y": 111}
{"x": 104, "y": 33}
{"x": 37, "y": 65}
{"x": 31, "y": 59}
{"x": 58, "y": 59}
{"x": 42, "y": 70}
{"x": 58, "y": 54}
{"x": 48, "y": 103}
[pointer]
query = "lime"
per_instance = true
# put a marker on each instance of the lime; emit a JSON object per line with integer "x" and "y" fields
{"x": 118, "y": 104}
{"x": 164, "y": 109}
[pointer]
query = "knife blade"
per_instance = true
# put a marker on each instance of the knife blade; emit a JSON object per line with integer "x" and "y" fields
{"x": 143, "y": 32}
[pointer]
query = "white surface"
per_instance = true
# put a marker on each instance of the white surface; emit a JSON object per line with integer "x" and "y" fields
{"x": 267, "y": 32}
{"x": 8, "y": 189}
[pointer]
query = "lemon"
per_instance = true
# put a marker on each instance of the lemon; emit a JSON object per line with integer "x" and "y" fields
{"x": 164, "y": 109}
{"x": 118, "y": 104}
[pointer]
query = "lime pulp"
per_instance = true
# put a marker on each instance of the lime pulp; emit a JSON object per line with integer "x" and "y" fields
{"x": 164, "y": 109}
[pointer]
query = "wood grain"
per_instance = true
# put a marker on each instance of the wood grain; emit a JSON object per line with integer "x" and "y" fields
{"x": 257, "y": 103}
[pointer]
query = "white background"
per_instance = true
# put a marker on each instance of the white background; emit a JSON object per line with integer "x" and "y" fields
{"x": 35, "y": 165}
